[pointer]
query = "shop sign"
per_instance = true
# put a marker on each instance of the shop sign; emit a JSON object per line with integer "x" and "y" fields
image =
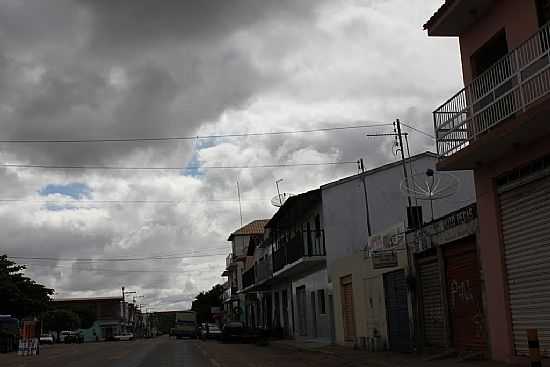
{"x": 391, "y": 238}
{"x": 383, "y": 260}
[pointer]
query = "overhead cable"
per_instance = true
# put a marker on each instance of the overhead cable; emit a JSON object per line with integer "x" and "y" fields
{"x": 198, "y": 137}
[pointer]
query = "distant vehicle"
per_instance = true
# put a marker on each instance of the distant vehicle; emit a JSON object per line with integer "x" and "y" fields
{"x": 69, "y": 337}
{"x": 46, "y": 339}
{"x": 233, "y": 331}
{"x": 124, "y": 337}
{"x": 186, "y": 324}
{"x": 9, "y": 333}
{"x": 210, "y": 331}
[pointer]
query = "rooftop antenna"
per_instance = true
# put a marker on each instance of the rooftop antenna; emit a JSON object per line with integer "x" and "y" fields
{"x": 431, "y": 186}
{"x": 240, "y": 206}
{"x": 279, "y": 199}
{"x": 279, "y": 192}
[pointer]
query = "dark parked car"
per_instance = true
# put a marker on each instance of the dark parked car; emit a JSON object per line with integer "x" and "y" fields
{"x": 233, "y": 331}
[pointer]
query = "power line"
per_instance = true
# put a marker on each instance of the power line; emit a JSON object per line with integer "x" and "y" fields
{"x": 80, "y": 202}
{"x": 100, "y": 260}
{"x": 198, "y": 137}
{"x": 187, "y": 168}
{"x": 110, "y": 270}
{"x": 418, "y": 130}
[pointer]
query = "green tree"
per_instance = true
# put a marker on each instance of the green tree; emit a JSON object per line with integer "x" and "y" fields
{"x": 20, "y": 295}
{"x": 205, "y": 300}
{"x": 59, "y": 320}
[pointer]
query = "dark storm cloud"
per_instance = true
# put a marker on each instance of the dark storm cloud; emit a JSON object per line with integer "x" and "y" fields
{"x": 191, "y": 77}
{"x": 134, "y": 24}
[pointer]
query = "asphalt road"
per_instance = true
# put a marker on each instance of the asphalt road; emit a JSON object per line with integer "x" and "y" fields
{"x": 158, "y": 352}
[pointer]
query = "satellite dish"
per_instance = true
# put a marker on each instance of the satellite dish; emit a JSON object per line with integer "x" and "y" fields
{"x": 279, "y": 200}
{"x": 430, "y": 186}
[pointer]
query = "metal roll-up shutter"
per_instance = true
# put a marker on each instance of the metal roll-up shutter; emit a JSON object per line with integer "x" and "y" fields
{"x": 432, "y": 303}
{"x": 464, "y": 296}
{"x": 397, "y": 311}
{"x": 525, "y": 216}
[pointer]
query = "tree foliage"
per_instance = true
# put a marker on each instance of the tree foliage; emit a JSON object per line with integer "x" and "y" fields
{"x": 205, "y": 300}
{"x": 59, "y": 320}
{"x": 21, "y": 296}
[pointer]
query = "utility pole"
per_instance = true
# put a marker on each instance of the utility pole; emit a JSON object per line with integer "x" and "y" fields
{"x": 403, "y": 161}
{"x": 364, "y": 180}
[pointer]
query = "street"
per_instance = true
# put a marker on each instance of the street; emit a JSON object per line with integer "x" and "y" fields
{"x": 161, "y": 352}
{"x": 167, "y": 352}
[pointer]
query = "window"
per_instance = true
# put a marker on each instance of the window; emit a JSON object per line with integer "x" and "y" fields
{"x": 543, "y": 11}
{"x": 321, "y": 301}
{"x": 492, "y": 51}
{"x": 317, "y": 225}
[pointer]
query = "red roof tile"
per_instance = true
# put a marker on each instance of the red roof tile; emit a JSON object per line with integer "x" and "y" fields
{"x": 439, "y": 13}
{"x": 252, "y": 228}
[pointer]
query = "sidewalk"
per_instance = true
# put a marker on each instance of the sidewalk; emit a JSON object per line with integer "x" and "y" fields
{"x": 353, "y": 357}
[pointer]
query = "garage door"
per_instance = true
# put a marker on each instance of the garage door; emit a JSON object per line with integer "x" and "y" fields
{"x": 432, "y": 305}
{"x": 397, "y": 309}
{"x": 464, "y": 296}
{"x": 525, "y": 215}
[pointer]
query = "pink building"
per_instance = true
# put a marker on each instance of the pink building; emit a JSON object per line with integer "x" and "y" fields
{"x": 499, "y": 126}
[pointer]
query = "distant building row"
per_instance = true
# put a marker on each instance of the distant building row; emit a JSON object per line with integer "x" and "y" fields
{"x": 313, "y": 271}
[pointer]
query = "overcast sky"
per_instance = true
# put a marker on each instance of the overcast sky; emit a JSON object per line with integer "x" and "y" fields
{"x": 141, "y": 68}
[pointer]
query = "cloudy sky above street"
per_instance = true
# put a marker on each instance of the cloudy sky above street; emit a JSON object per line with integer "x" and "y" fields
{"x": 80, "y": 69}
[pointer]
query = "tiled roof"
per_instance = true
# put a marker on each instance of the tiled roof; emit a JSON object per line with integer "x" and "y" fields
{"x": 254, "y": 227}
{"x": 442, "y": 9}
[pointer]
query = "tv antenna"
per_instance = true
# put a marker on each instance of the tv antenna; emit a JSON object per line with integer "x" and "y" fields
{"x": 279, "y": 199}
{"x": 431, "y": 186}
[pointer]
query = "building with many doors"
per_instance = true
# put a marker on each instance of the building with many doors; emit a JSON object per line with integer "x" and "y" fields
{"x": 497, "y": 126}
{"x": 448, "y": 288}
{"x": 369, "y": 273}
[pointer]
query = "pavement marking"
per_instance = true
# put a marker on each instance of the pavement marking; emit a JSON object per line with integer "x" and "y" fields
{"x": 214, "y": 362}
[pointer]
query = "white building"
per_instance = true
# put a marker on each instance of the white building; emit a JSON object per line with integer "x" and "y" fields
{"x": 364, "y": 310}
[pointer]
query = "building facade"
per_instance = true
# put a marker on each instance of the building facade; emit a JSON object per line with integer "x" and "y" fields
{"x": 243, "y": 244}
{"x": 448, "y": 284}
{"x": 107, "y": 313}
{"x": 497, "y": 127}
{"x": 370, "y": 274}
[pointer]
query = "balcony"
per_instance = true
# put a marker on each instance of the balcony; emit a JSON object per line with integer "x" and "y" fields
{"x": 229, "y": 261}
{"x": 264, "y": 269}
{"x": 301, "y": 250}
{"x": 505, "y": 92}
{"x": 249, "y": 278}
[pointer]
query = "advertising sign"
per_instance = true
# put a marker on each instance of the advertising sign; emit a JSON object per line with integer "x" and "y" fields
{"x": 391, "y": 238}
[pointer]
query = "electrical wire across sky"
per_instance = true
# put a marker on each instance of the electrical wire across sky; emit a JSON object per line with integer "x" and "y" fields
{"x": 198, "y": 137}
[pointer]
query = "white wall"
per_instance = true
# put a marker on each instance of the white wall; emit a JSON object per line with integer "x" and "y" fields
{"x": 314, "y": 282}
{"x": 344, "y": 212}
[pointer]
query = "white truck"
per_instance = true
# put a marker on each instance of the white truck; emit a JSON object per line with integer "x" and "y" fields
{"x": 186, "y": 324}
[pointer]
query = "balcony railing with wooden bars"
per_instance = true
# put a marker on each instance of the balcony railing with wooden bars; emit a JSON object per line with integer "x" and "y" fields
{"x": 506, "y": 89}
{"x": 312, "y": 244}
{"x": 249, "y": 277}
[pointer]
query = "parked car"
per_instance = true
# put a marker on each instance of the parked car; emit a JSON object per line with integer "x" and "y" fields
{"x": 233, "y": 331}
{"x": 124, "y": 337}
{"x": 46, "y": 339}
{"x": 69, "y": 337}
{"x": 211, "y": 331}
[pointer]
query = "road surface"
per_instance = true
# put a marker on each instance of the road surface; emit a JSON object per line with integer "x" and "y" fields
{"x": 158, "y": 352}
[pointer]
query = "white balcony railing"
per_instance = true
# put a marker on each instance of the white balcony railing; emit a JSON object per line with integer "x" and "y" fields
{"x": 504, "y": 90}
